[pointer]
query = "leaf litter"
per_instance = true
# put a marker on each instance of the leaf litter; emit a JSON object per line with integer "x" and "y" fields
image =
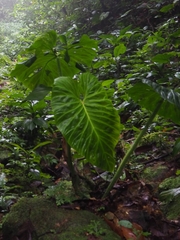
{"x": 132, "y": 209}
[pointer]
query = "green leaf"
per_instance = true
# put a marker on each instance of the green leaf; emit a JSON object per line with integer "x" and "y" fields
{"x": 39, "y": 106}
{"x": 107, "y": 83}
{"x": 120, "y": 49}
{"x": 68, "y": 69}
{"x": 175, "y": 34}
{"x": 40, "y": 122}
{"x": 29, "y": 125}
{"x": 42, "y": 71}
{"x": 176, "y": 148}
{"x": 63, "y": 39}
{"x": 80, "y": 67}
{"x": 168, "y": 195}
{"x": 86, "y": 41}
{"x": 18, "y": 147}
{"x": 177, "y": 75}
{"x": 161, "y": 58}
{"x": 45, "y": 42}
{"x": 38, "y": 93}
{"x": 4, "y": 59}
{"x": 126, "y": 13}
{"x": 149, "y": 94}
{"x": 42, "y": 144}
{"x": 167, "y": 94}
{"x": 42, "y": 68}
{"x": 103, "y": 15}
{"x": 125, "y": 223}
{"x": 86, "y": 118}
{"x": 30, "y": 61}
{"x": 83, "y": 51}
{"x": 103, "y": 63}
{"x": 167, "y": 8}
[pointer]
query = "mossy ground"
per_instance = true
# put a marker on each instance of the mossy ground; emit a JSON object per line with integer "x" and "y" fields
{"x": 156, "y": 175}
{"x": 171, "y": 201}
{"x": 45, "y": 221}
{"x": 172, "y": 209}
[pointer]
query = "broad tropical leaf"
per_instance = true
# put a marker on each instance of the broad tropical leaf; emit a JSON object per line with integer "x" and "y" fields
{"x": 83, "y": 51}
{"x": 50, "y": 61}
{"x": 42, "y": 71}
{"x": 42, "y": 67}
{"x": 45, "y": 42}
{"x": 38, "y": 93}
{"x": 149, "y": 94}
{"x": 86, "y": 118}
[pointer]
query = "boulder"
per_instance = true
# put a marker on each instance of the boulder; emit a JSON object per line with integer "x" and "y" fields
{"x": 40, "y": 218}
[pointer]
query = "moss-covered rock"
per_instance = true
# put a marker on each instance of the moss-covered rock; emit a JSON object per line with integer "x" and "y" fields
{"x": 43, "y": 220}
{"x": 4, "y": 155}
{"x": 169, "y": 195}
{"x": 169, "y": 183}
{"x": 154, "y": 173}
{"x": 170, "y": 203}
{"x": 172, "y": 209}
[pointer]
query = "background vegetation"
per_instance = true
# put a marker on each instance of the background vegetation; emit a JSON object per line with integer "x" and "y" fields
{"x": 127, "y": 53}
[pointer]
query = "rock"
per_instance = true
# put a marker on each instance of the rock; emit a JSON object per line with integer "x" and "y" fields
{"x": 154, "y": 173}
{"x": 4, "y": 155}
{"x": 169, "y": 183}
{"x": 172, "y": 209}
{"x": 169, "y": 191}
{"x": 39, "y": 218}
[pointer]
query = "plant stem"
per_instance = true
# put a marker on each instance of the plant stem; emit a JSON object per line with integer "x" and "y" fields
{"x": 74, "y": 175}
{"x": 68, "y": 155}
{"x": 131, "y": 150}
{"x": 69, "y": 160}
{"x": 59, "y": 67}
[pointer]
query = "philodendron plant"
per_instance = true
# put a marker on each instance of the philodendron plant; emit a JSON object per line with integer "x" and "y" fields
{"x": 157, "y": 99}
{"x": 83, "y": 112}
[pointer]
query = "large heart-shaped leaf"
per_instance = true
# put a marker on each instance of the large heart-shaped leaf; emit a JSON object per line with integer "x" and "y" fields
{"x": 148, "y": 95}
{"x": 86, "y": 118}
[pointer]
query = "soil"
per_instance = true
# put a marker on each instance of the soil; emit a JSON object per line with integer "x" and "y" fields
{"x": 138, "y": 207}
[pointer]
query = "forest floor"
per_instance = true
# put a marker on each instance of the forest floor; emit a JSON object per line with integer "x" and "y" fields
{"x": 135, "y": 199}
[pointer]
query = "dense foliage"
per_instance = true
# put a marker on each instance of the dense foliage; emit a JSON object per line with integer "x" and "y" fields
{"x": 101, "y": 61}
